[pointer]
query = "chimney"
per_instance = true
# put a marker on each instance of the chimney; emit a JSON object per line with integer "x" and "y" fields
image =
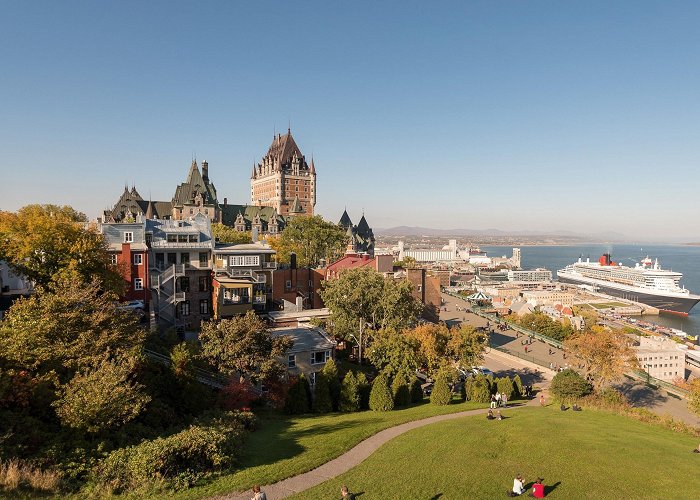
{"x": 293, "y": 260}
{"x": 205, "y": 171}
{"x": 254, "y": 234}
{"x": 225, "y": 201}
{"x": 300, "y": 304}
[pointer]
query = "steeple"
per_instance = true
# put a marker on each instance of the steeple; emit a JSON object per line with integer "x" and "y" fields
{"x": 312, "y": 168}
{"x": 252, "y": 176}
{"x": 150, "y": 211}
{"x": 345, "y": 220}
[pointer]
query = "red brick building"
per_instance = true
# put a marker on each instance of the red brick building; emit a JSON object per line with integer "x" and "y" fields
{"x": 129, "y": 252}
{"x": 293, "y": 284}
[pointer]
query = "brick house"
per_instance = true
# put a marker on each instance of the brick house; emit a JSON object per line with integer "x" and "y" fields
{"x": 128, "y": 251}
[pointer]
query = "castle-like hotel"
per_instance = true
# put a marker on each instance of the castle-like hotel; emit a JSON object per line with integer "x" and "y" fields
{"x": 282, "y": 185}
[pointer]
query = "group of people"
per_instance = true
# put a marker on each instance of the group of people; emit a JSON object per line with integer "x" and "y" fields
{"x": 345, "y": 494}
{"x": 499, "y": 399}
{"x": 491, "y": 416}
{"x": 519, "y": 487}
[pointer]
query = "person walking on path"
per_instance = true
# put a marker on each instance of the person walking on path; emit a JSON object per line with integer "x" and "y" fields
{"x": 493, "y": 401}
{"x": 498, "y": 399}
{"x": 541, "y": 399}
{"x": 257, "y": 494}
{"x": 504, "y": 398}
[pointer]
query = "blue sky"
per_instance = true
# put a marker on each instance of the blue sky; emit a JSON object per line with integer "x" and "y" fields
{"x": 542, "y": 115}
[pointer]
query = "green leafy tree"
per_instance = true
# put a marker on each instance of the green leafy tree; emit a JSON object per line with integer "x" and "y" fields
{"x": 363, "y": 296}
{"x": 432, "y": 345}
{"x": 518, "y": 389}
{"x": 365, "y": 389}
{"x": 182, "y": 358}
{"x": 311, "y": 238}
{"x": 544, "y": 325}
{"x": 330, "y": 370}
{"x": 568, "y": 386}
{"x": 298, "y": 399}
{"x": 350, "y": 393}
{"x": 441, "y": 394}
{"x": 322, "y": 395}
{"x": 227, "y": 234}
{"x": 504, "y": 385}
{"x": 43, "y": 241}
{"x": 101, "y": 398}
{"x": 394, "y": 354}
{"x": 467, "y": 345}
{"x": 381, "y": 399}
{"x": 416, "y": 391}
{"x": 479, "y": 390}
{"x": 399, "y": 389}
{"x": 243, "y": 346}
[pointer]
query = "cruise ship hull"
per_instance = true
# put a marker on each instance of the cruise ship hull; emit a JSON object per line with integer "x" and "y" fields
{"x": 672, "y": 304}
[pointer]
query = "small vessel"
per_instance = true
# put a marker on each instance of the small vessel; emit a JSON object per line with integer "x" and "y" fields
{"x": 646, "y": 282}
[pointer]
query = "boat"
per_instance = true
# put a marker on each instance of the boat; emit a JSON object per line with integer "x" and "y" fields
{"x": 646, "y": 282}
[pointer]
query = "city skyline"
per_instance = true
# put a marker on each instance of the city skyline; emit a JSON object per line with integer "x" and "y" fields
{"x": 516, "y": 116}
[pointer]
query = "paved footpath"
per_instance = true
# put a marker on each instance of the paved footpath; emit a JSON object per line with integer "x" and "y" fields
{"x": 350, "y": 459}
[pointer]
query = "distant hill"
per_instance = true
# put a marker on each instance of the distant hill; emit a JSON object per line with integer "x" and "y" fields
{"x": 427, "y": 231}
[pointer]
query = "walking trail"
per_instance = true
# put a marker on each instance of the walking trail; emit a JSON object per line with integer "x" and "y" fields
{"x": 351, "y": 458}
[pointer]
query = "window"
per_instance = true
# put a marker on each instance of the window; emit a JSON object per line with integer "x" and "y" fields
{"x": 191, "y": 211}
{"x": 128, "y": 237}
{"x": 203, "y": 283}
{"x": 193, "y": 238}
{"x": 172, "y": 238}
{"x": 182, "y": 238}
{"x": 312, "y": 379}
{"x": 185, "y": 308}
{"x": 320, "y": 357}
{"x": 185, "y": 258}
{"x": 113, "y": 259}
{"x": 203, "y": 258}
{"x": 292, "y": 361}
{"x": 244, "y": 260}
{"x": 138, "y": 259}
{"x": 288, "y": 284}
{"x": 138, "y": 284}
{"x": 236, "y": 296}
{"x": 204, "y": 306}
{"x": 172, "y": 258}
{"x": 184, "y": 283}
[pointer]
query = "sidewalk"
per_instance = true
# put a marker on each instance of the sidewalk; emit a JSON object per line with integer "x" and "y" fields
{"x": 351, "y": 458}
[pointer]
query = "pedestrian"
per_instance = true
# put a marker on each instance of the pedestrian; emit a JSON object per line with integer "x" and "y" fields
{"x": 504, "y": 398}
{"x": 493, "y": 401}
{"x": 498, "y": 399}
{"x": 541, "y": 399}
{"x": 257, "y": 494}
{"x": 346, "y": 495}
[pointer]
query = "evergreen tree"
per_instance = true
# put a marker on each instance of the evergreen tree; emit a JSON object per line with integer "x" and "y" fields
{"x": 350, "y": 393}
{"x": 504, "y": 385}
{"x": 297, "y": 401}
{"x": 330, "y": 370}
{"x": 416, "y": 391}
{"x": 322, "y": 395}
{"x": 463, "y": 391}
{"x": 380, "y": 398}
{"x": 399, "y": 390}
{"x": 441, "y": 394}
{"x": 518, "y": 388}
{"x": 480, "y": 391}
{"x": 364, "y": 388}
{"x": 568, "y": 386}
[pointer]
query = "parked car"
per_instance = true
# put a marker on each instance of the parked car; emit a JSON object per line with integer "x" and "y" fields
{"x": 481, "y": 370}
{"x": 136, "y": 306}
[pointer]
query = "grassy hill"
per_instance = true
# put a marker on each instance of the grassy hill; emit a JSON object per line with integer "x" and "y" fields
{"x": 587, "y": 454}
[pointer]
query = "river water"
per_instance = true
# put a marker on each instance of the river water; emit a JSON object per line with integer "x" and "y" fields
{"x": 684, "y": 259}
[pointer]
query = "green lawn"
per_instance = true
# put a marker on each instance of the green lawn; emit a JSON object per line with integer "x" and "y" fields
{"x": 589, "y": 454}
{"x": 286, "y": 446}
{"x": 608, "y": 305}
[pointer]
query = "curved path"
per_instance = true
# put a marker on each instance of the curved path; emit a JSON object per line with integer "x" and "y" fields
{"x": 351, "y": 458}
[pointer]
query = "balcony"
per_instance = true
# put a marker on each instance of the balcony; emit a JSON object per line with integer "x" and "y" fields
{"x": 269, "y": 265}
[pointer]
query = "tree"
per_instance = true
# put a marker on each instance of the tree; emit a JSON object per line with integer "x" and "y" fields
{"x": 364, "y": 389}
{"x": 42, "y": 241}
{"x": 322, "y": 395}
{"x": 518, "y": 388}
{"x": 380, "y": 399}
{"x": 350, "y": 393}
{"x": 467, "y": 345}
{"x": 243, "y": 346}
{"x": 544, "y": 325}
{"x": 416, "y": 391}
{"x": 606, "y": 354}
{"x": 363, "y": 296}
{"x": 432, "y": 344}
{"x": 298, "y": 400}
{"x": 479, "y": 390}
{"x": 394, "y": 354}
{"x": 101, "y": 398}
{"x": 441, "y": 394}
{"x": 311, "y": 238}
{"x": 568, "y": 386}
{"x": 330, "y": 370}
{"x": 694, "y": 396}
{"x": 72, "y": 326}
{"x": 399, "y": 390}
{"x": 227, "y": 234}
{"x": 504, "y": 385}
{"x": 182, "y": 359}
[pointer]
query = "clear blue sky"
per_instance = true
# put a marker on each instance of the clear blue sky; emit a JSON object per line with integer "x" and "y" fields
{"x": 509, "y": 114}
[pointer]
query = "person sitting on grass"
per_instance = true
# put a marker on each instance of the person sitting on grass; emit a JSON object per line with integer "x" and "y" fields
{"x": 489, "y": 415}
{"x": 346, "y": 495}
{"x": 576, "y": 408}
{"x": 257, "y": 494}
{"x": 498, "y": 415}
{"x": 538, "y": 489}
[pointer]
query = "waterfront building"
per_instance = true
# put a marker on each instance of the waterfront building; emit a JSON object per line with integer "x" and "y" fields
{"x": 283, "y": 179}
{"x": 548, "y": 297}
{"x": 661, "y": 358}
{"x": 530, "y": 275}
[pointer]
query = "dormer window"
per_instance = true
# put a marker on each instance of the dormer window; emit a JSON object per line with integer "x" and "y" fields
{"x": 128, "y": 237}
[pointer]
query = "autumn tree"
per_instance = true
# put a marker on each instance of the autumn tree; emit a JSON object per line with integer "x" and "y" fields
{"x": 312, "y": 239}
{"x": 467, "y": 344}
{"x": 43, "y": 241}
{"x": 243, "y": 346}
{"x": 394, "y": 354}
{"x": 364, "y": 295}
{"x": 694, "y": 396}
{"x": 432, "y": 341}
{"x": 227, "y": 234}
{"x": 606, "y": 354}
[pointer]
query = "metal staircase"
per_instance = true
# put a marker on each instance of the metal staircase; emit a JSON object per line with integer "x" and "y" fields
{"x": 165, "y": 297}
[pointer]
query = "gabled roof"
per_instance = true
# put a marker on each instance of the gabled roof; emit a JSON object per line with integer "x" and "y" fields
{"x": 296, "y": 206}
{"x": 186, "y": 192}
{"x": 229, "y": 213}
{"x": 283, "y": 149}
{"x": 363, "y": 227}
{"x": 350, "y": 261}
{"x": 345, "y": 220}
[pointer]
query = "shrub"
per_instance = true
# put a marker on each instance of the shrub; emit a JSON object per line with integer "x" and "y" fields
{"x": 504, "y": 385}
{"x": 380, "y": 398}
{"x": 416, "y": 391}
{"x": 479, "y": 390}
{"x": 518, "y": 388}
{"x": 14, "y": 474}
{"x": 365, "y": 388}
{"x": 463, "y": 391}
{"x": 399, "y": 389}
{"x": 330, "y": 370}
{"x": 237, "y": 395}
{"x": 176, "y": 461}
{"x": 441, "y": 394}
{"x": 350, "y": 393}
{"x": 322, "y": 395}
{"x": 569, "y": 386}
{"x": 298, "y": 400}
